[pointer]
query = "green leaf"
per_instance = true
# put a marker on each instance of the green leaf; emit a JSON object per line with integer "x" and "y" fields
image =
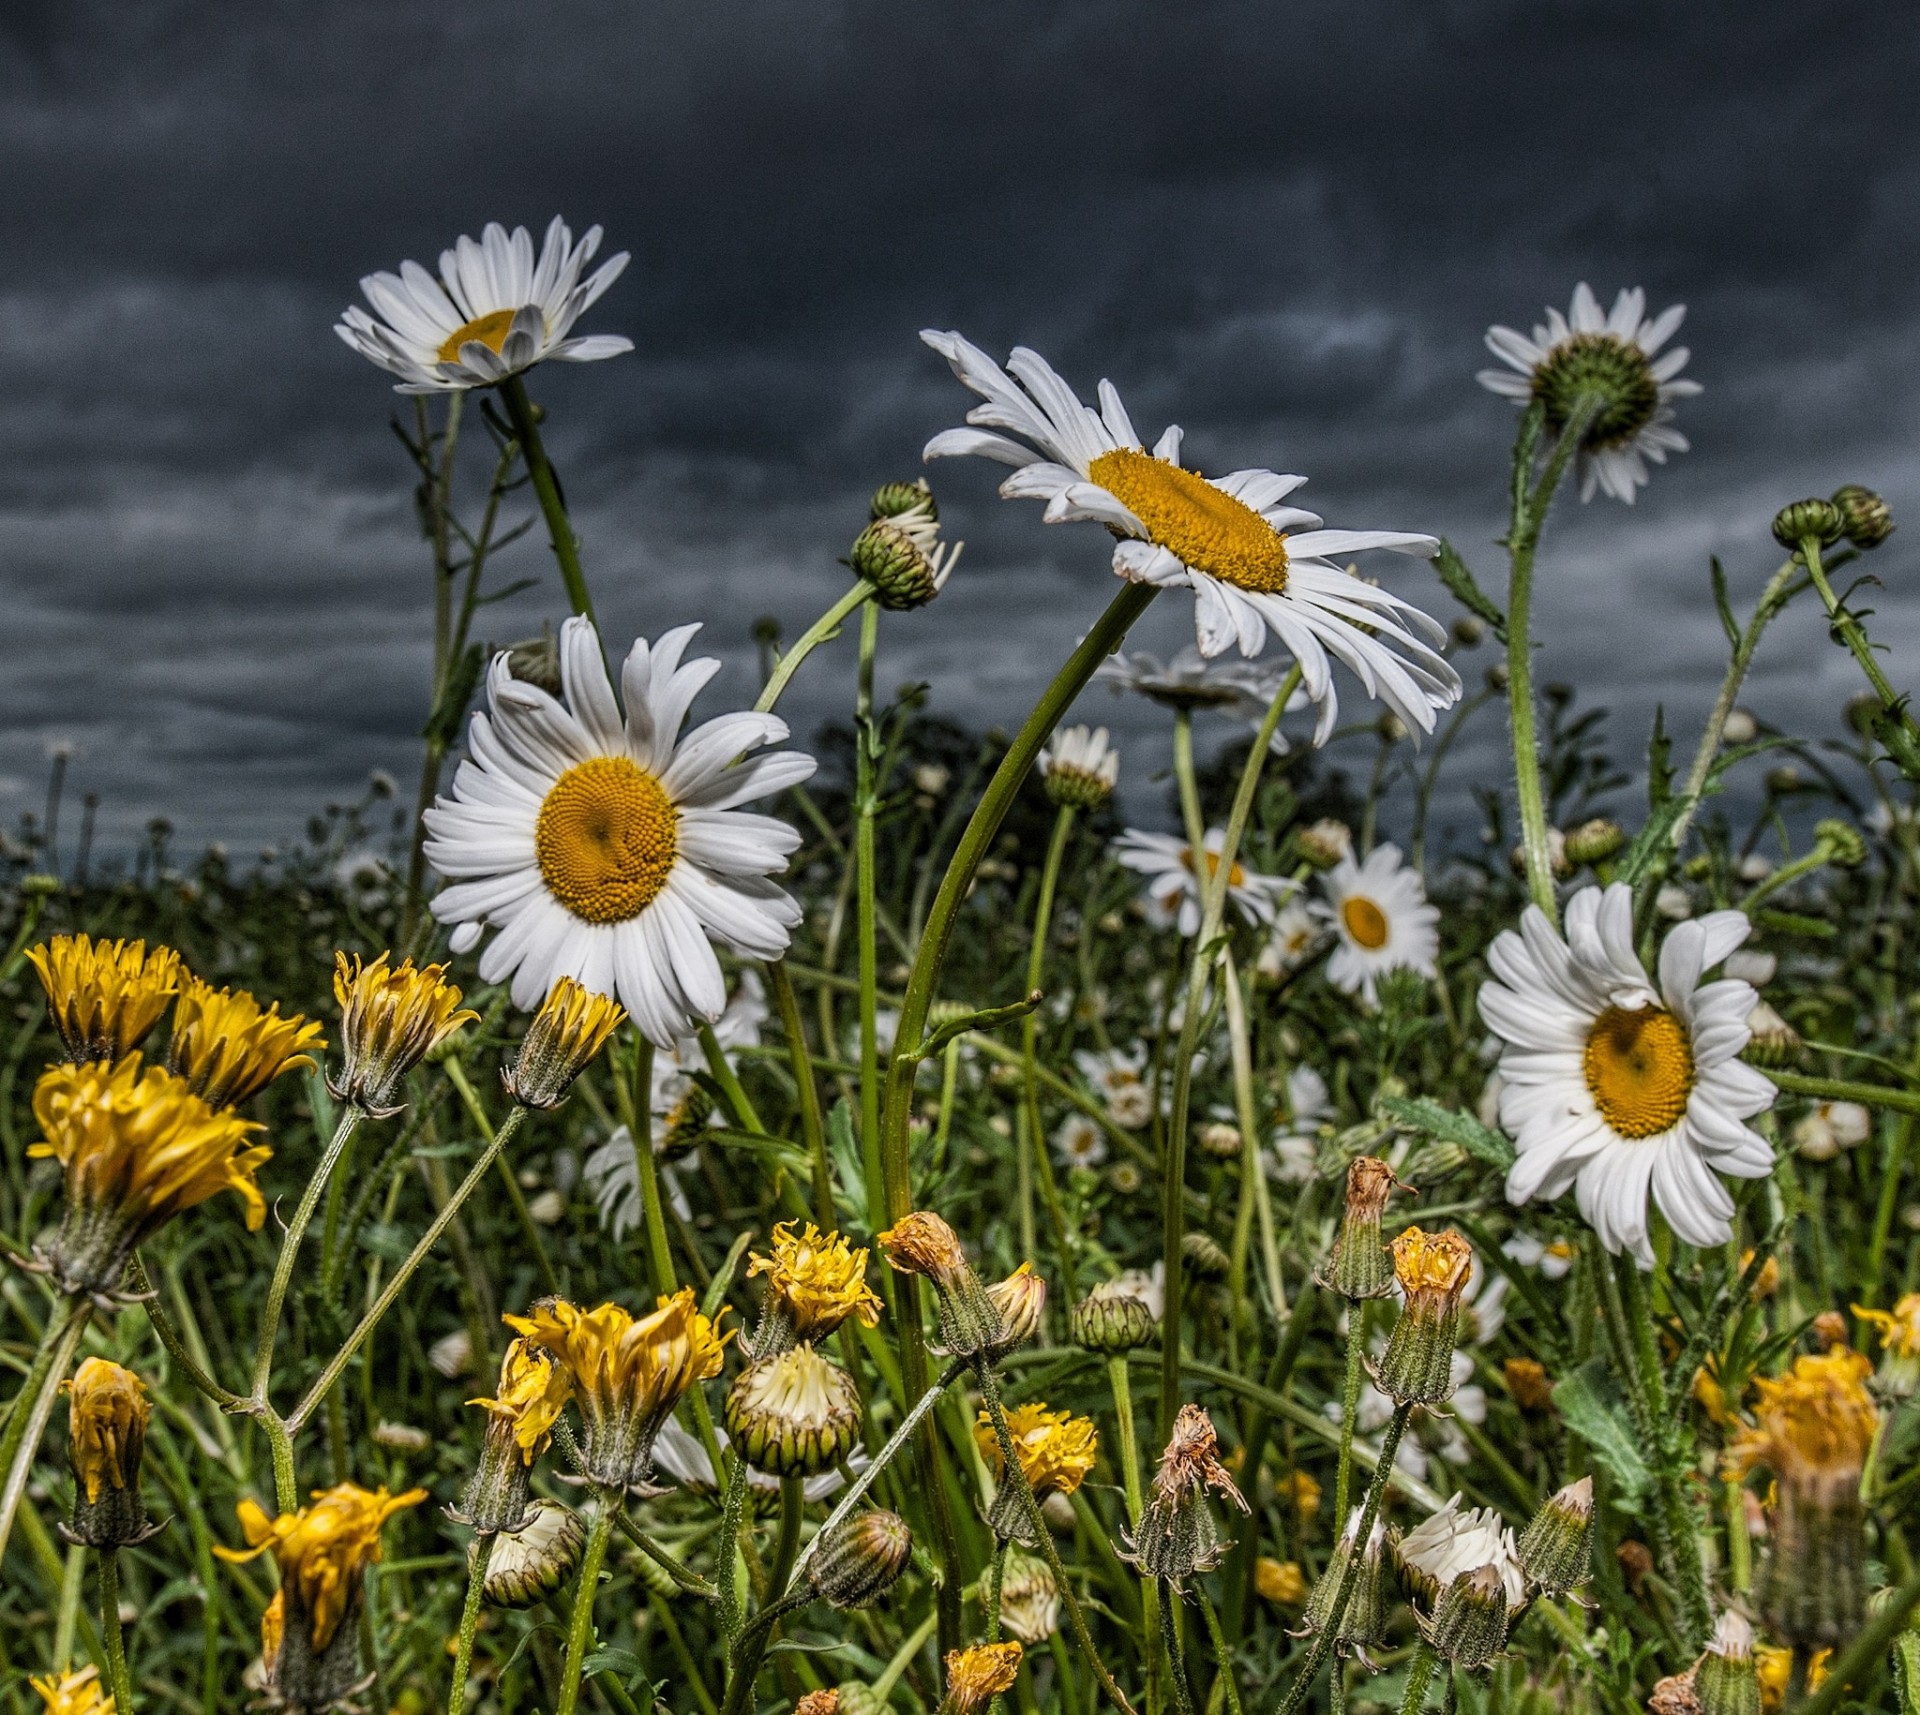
{"x": 1450, "y": 1126}
{"x": 1592, "y": 1408}
{"x": 723, "y": 1276}
{"x": 1659, "y": 761}
{"x": 621, "y": 1661}
{"x": 1461, "y": 584}
{"x": 1792, "y": 923}
{"x": 1648, "y": 843}
{"x": 1906, "y": 1671}
{"x": 1728, "y": 623}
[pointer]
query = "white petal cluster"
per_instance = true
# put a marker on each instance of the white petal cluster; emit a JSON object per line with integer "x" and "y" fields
{"x": 1452, "y": 1542}
{"x": 1173, "y": 881}
{"x": 1379, "y": 911}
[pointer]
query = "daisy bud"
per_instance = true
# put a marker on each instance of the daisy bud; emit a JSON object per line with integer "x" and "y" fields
{"x": 1469, "y": 632}
{"x": 1726, "y": 1680}
{"x": 533, "y": 1391}
{"x": 794, "y": 1414}
{"x": 389, "y": 1020}
{"x": 1469, "y": 1627}
{"x": 1556, "y": 1548}
{"x": 536, "y": 1561}
{"x": 1178, "y": 1535}
{"x": 862, "y": 1560}
{"x": 1432, "y": 1270}
{"x": 107, "y": 1433}
{"x": 1594, "y": 841}
{"x": 904, "y": 575}
{"x": 1079, "y": 768}
{"x": 1020, "y": 1299}
{"x": 1819, "y": 519}
{"x": 227, "y": 1049}
{"x": 1360, "y": 1266}
{"x": 1223, "y": 1142}
{"x": 1774, "y": 1043}
{"x": 73, "y": 1693}
{"x": 1368, "y": 1599}
{"x": 105, "y": 997}
{"x": 1840, "y": 843}
{"x": 1205, "y": 1256}
{"x": 1324, "y": 843}
{"x": 1112, "y": 1319}
{"x": 1558, "y": 860}
{"x": 977, "y": 1675}
{"x": 893, "y": 499}
{"x": 1056, "y": 1450}
{"x": 571, "y": 1027}
{"x": 1865, "y": 519}
{"x": 815, "y": 1282}
{"x": 1029, "y": 1599}
{"x": 400, "y": 1437}
{"x": 1740, "y": 727}
{"x": 921, "y": 1243}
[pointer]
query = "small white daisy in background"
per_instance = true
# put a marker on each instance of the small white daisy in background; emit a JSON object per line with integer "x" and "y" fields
{"x": 1117, "y": 1077}
{"x": 1147, "y": 1285}
{"x": 1380, "y": 913}
{"x": 1078, "y": 1142}
{"x": 1483, "y": 1312}
{"x": 1079, "y": 767}
{"x": 1618, "y": 358}
{"x": 1615, "y": 1088}
{"x": 1309, "y": 1104}
{"x": 1296, "y": 932}
{"x": 1173, "y": 885}
{"x": 1244, "y": 689}
{"x": 1452, "y": 1541}
{"x": 1829, "y": 1127}
{"x": 1254, "y": 564}
{"x": 493, "y": 312}
{"x": 1553, "y": 1258}
{"x": 607, "y": 848}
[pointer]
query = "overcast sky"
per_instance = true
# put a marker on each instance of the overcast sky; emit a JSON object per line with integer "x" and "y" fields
{"x": 1283, "y": 227}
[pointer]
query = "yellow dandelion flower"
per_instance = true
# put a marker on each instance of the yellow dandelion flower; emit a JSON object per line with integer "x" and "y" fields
{"x": 390, "y": 1019}
{"x": 107, "y": 1426}
{"x": 1021, "y": 1299}
{"x": 977, "y": 1675}
{"x": 1432, "y": 1268}
{"x": 1056, "y": 1449}
{"x": 1280, "y": 1582}
{"x": 533, "y": 1391}
{"x": 1815, "y": 1424}
{"x": 1774, "y": 1666}
{"x": 228, "y": 1049}
{"x": 73, "y": 1693}
{"x": 105, "y": 996}
{"x": 815, "y": 1280}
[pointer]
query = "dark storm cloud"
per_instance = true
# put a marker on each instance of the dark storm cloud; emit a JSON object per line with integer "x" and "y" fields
{"x": 1283, "y": 227}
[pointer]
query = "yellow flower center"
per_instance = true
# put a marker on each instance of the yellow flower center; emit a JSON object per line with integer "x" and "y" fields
{"x": 1365, "y": 922}
{"x": 1236, "y": 877}
{"x": 1185, "y": 514}
{"x": 490, "y": 330}
{"x": 605, "y": 839}
{"x": 1639, "y": 1067}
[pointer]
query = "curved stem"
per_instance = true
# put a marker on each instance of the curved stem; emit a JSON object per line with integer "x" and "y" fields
{"x": 350, "y": 1116}
{"x": 1843, "y": 1090}
{"x": 1223, "y": 1653}
{"x": 111, "y": 1634}
{"x": 1847, "y": 626}
{"x": 580, "y": 1628}
{"x": 33, "y": 1405}
{"x": 469, "y": 1624}
{"x": 822, "y": 630}
{"x": 566, "y": 546}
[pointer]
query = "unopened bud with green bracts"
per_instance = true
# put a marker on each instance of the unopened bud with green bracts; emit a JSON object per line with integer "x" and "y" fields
{"x": 1865, "y": 519}
{"x": 1469, "y": 1626}
{"x": 862, "y": 1559}
{"x": 1360, "y": 1266}
{"x": 794, "y": 1414}
{"x": 1112, "y": 1319}
{"x": 1819, "y": 520}
{"x": 1726, "y": 1679}
{"x": 1556, "y": 1548}
{"x": 535, "y": 1561}
{"x": 1432, "y": 1270}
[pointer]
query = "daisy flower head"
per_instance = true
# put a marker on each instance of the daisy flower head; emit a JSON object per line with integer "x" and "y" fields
{"x": 1190, "y": 681}
{"x": 1118, "y": 1075}
{"x": 1173, "y": 880}
{"x": 494, "y": 311}
{"x": 1079, "y": 1142}
{"x": 1615, "y": 358}
{"x": 1616, "y": 1087}
{"x": 1255, "y": 565}
{"x": 1380, "y": 913}
{"x": 606, "y": 847}
{"x": 1296, "y": 932}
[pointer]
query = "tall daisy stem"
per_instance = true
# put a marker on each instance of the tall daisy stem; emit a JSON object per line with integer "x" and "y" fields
{"x": 1349, "y": 1408}
{"x": 580, "y": 1628}
{"x": 1848, "y": 629}
{"x": 866, "y": 808}
{"x": 801, "y": 1062}
{"x": 33, "y": 1405}
{"x": 822, "y": 630}
{"x": 350, "y": 1117}
{"x": 546, "y": 486}
{"x": 1253, "y": 1171}
{"x": 112, "y": 1635}
{"x": 1030, "y": 1048}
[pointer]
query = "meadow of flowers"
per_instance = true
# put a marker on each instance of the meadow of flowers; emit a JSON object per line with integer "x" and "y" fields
{"x": 720, "y": 1221}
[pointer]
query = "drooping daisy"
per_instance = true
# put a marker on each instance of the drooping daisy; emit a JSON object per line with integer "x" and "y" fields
{"x": 1253, "y": 563}
{"x": 1173, "y": 882}
{"x": 608, "y": 849}
{"x": 1613, "y": 1087}
{"x": 1384, "y": 923}
{"x": 493, "y": 312}
{"x": 1245, "y": 689}
{"x": 1615, "y": 357}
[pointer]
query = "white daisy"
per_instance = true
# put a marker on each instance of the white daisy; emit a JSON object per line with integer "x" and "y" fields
{"x": 493, "y": 312}
{"x": 608, "y": 849}
{"x": 1384, "y": 923}
{"x": 1173, "y": 884}
{"x": 1296, "y": 932}
{"x": 1080, "y": 766}
{"x": 1245, "y": 689}
{"x": 1612, "y": 1086}
{"x": 1149, "y": 1285}
{"x": 1078, "y": 1142}
{"x": 1615, "y": 356}
{"x": 1452, "y": 1542}
{"x": 1254, "y": 564}
{"x": 1310, "y": 1104}
{"x": 1553, "y": 1258}
{"x": 1117, "y": 1076}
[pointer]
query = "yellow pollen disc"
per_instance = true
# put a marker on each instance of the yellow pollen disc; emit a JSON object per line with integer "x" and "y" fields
{"x": 1185, "y": 514}
{"x": 605, "y": 839}
{"x": 490, "y": 330}
{"x": 1236, "y": 877}
{"x": 1365, "y": 922}
{"x": 1639, "y": 1067}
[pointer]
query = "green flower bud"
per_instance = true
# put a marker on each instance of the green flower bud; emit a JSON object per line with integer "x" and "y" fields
{"x": 536, "y": 1560}
{"x": 1775, "y": 1043}
{"x": 891, "y": 499}
{"x": 794, "y": 1414}
{"x": 1594, "y": 841}
{"x": 1843, "y": 844}
{"x": 1469, "y": 1627}
{"x": 1369, "y": 1602}
{"x": 1819, "y": 519}
{"x": 1556, "y": 1548}
{"x": 1112, "y": 1320}
{"x": 1725, "y": 1679}
{"x": 1865, "y": 519}
{"x": 1433, "y": 1269}
{"x": 1360, "y": 1266}
{"x": 862, "y": 1559}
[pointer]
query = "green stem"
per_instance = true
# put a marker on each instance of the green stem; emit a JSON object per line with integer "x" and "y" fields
{"x": 1223, "y": 1652}
{"x": 1840, "y": 1090}
{"x": 902, "y": 1660}
{"x": 820, "y": 631}
{"x": 566, "y": 547}
{"x": 1122, "y": 1390}
{"x": 866, "y": 808}
{"x": 1029, "y": 1048}
{"x": 1349, "y": 1408}
{"x": 753, "y": 1645}
{"x": 1864, "y": 1655}
{"x": 733, "y": 1510}
{"x": 1785, "y": 876}
{"x": 795, "y": 1031}
{"x": 469, "y": 1624}
{"x": 111, "y": 1634}
{"x": 1252, "y": 1167}
{"x": 67, "y": 1617}
{"x": 1419, "y": 1677}
{"x": 516, "y": 1198}
{"x": 350, "y": 1116}
{"x": 1176, "y": 1656}
{"x": 33, "y": 1405}
{"x": 580, "y": 1628}
{"x": 636, "y": 1109}
{"x": 996, "y": 1577}
{"x": 1847, "y": 626}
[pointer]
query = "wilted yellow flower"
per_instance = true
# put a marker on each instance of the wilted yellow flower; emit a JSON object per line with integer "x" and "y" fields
{"x": 1433, "y": 1270}
{"x": 628, "y": 1372}
{"x": 138, "y": 1148}
{"x": 1775, "y": 1669}
{"x": 533, "y": 1391}
{"x": 227, "y": 1049}
{"x": 815, "y": 1281}
{"x": 105, "y": 996}
{"x": 107, "y": 1426}
{"x": 74, "y": 1693}
{"x": 922, "y": 1243}
{"x": 977, "y": 1675}
{"x": 1178, "y": 1535}
{"x": 1815, "y": 1423}
{"x": 571, "y": 1027}
{"x": 1056, "y": 1449}
{"x": 1899, "y": 1328}
{"x": 1280, "y": 1582}
{"x": 1020, "y": 1299}
{"x": 1432, "y": 1266}
{"x": 390, "y": 1019}
{"x": 321, "y": 1551}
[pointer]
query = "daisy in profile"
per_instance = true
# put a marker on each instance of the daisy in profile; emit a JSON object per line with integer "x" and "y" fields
{"x": 1190, "y": 681}
{"x": 1615, "y": 357}
{"x": 1616, "y": 1088}
{"x": 1254, "y": 564}
{"x": 1173, "y": 881}
{"x": 1380, "y": 913}
{"x": 493, "y": 312}
{"x": 607, "y": 847}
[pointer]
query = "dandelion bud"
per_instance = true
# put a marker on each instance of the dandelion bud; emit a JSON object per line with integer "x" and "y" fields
{"x": 1020, "y": 1299}
{"x": 1364, "y": 1621}
{"x": 922, "y": 1243}
{"x": 1821, "y": 520}
{"x": 1029, "y": 1599}
{"x": 1112, "y": 1319}
{"x": 1556, "y": 1548}
{"x": 1432, "y": 1270}
{"x": 1452, "y": 1541}
{"x": 862, "y": 1559}
{"x": 105, "y": 997}
{"x": 1840, "y": 843}
{"x": 1469, "y": 1627}
{"x": 1178, "y": 1535}
{"x": 107, "y": 1432}
{"x": 1205, "y": 1256}
{"x": 1863, "y": 713}
{"x": 1080, "y": 768}
{"x": 1865, "y": 519}
{"x": 794, "y": 1414}
{"x": 227, "y": 1049}
{"x": 1324, "y": 843}
{"x": 571, "y": 1027}
{"x": 1774, "y": 1043}
{"x": 389, "y": 1020}
{"x": 1055, "y": 1449}
{"x": 895, "y": 499}
{"x": 977, "y": 1675}
{"x": 1726, "y": 1680}
{"x": 526, "y": 1565}
{"x": 1360, "y": 1266}
{"x": 533, "y": 1391}
{"x": 815, "y": 1282}
{"x": 1594, "y": 841}
{"x": 1223, "y": 1142}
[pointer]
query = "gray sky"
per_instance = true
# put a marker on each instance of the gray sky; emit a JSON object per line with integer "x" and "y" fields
{"x": 1284, "y": 228}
